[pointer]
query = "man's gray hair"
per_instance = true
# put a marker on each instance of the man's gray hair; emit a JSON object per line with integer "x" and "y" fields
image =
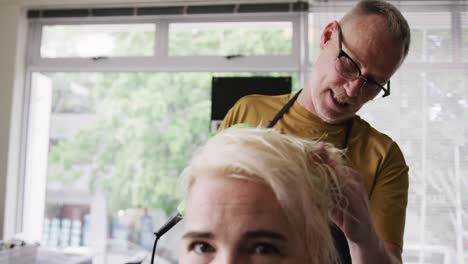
{"x": 396, "y": 23}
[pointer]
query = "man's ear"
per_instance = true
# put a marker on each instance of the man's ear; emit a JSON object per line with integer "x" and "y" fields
{"x": 328, "y": 32}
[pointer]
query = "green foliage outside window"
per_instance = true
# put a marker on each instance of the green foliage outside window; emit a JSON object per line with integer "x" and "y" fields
{"x": 271, "y": 42}
{"x": 145, "y": 126}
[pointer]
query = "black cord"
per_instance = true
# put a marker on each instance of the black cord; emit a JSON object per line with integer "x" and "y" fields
{"x": 283, "y": 110}
{"x": 154, "y": 248}
{"x": 166, "y": 227}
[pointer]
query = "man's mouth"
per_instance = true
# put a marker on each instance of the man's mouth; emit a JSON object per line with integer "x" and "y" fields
{"x": 338, "y": 100}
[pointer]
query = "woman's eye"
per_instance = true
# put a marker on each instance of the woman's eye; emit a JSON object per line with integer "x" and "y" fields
{"x": 266, "y": 249}
{"x": 201, "y": 247}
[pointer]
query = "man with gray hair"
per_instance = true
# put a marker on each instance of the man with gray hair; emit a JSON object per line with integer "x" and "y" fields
{"x": 358, "y": 55}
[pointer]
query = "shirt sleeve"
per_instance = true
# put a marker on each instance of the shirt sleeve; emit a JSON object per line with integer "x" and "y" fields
{"x": 230, "y": 118}
{"x": 239, "y": 113}
{"x": 389, "y": 197}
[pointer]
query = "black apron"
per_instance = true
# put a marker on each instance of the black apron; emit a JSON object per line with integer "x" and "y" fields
{"x": 339, "y": 238}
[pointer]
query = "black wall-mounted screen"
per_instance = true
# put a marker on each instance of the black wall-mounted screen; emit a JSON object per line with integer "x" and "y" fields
{"x": 227, "y": 90}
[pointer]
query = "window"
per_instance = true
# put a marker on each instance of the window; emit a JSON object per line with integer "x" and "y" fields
{"x": 464, "y": 18}
{"x": 317, "y": 23}
{"x": 107, "y": 144}
{"x": 65, "y": 41}
{"x": 423, "y": 114}
{"x": 124, "y": 135}
{"x": 431, "y": 37}
{"x": 424, "y": 118}
{"x": 221, "y": 39}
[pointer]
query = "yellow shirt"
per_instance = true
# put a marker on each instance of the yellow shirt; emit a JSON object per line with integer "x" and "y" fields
{"x": 375, "y": 155}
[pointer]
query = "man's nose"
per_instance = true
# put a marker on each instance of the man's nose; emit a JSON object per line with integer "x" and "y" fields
{"x": 354, "y": 87}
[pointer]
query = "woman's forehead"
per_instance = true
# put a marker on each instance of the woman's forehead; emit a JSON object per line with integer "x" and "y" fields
{"x": 227, "y": 200}
{"x": 234, "y": 212}
{"x": 225, "y": 191}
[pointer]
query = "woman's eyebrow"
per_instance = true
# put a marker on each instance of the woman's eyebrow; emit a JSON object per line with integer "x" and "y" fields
{"x": 264, "y": 234}
{"x": 197, "y": 234}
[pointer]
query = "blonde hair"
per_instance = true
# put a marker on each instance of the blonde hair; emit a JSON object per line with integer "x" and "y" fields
{"x": 396, "y": 23}
{"x": 304, "y": 175}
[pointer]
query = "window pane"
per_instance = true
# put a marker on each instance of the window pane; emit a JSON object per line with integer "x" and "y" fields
{"x": 465, "y": 45}
{"x": 221, "y": 39}
{"x": 424, "y": 116}
{"x": 317, "y": 23}
{"x": 62, "y": 41}
{"x": 431, "y": 37}
{"x": 118, "y": 142}
{"x": 464, "y": 19}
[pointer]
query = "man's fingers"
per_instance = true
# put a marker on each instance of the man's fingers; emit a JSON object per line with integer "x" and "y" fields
{"x": 336, "y": 216}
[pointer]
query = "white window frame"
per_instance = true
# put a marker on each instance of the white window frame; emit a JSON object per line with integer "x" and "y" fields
{"x": 159, "y": 62}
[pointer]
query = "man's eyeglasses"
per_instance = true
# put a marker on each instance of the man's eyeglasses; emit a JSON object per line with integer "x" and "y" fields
{"x": 349, "y": 70}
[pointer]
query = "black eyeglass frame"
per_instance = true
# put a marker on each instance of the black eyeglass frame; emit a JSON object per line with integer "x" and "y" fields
{"x": 342, "y": 53}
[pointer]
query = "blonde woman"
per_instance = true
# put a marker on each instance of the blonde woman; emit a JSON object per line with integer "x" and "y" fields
{"x": 256, "y": 196}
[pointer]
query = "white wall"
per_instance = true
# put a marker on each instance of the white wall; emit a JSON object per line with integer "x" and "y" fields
{"x": 12, "y": 30}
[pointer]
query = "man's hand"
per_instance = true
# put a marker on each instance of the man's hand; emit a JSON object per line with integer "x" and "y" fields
{"x": 353, "y": 217}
